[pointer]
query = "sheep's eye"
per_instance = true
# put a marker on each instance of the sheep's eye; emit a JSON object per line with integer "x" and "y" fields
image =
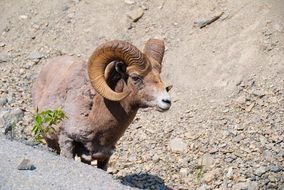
{"x": 136, "y": 78}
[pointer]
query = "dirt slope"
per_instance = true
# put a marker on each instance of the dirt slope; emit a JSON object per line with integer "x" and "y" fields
{"x": 225, "y": 128}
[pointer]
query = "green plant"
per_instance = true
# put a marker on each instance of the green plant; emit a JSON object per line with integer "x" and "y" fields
{"x": 44, "y": 122}
{"x": 199, "y": 172}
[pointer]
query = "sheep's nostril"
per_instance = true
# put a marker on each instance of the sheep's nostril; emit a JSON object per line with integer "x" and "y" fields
{"x": 167, "y": 101}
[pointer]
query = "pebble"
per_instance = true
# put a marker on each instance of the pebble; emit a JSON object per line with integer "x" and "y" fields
{"x": 282, "y": 187}
{"x": 35, "y": 55}
{"x": 2, "y": 44}
{"x": 260, "y": 171}
{"x": 203, "y": 187}
{"x": 135, "y": 14}
{"x": 209, "y": 176}
{"x": 29, "y": 64}
{"x": 129, "y": 2}
{"x": 263, "y": 140}
{"x": 177, "y": 145}
{"x": 253, "y": 186}
{"x": 184, "y": 172}
{"x": 26, "y": 165}
{"x": 258, "y": 93}
{"x": 155, "y": 158}
{"x": 249, "y": 108}
{"x": 4, "y": 58}
{"x": 230, "y": 173}
{"x": 241, "y": 100}
{"x": 3, "y": 101}
{"x": 207, "y": 161}
{"x": 22, "y": 71}
{"x": 24, "y": 17}
{"x": 275, "y": 169}
{"x": 240, "y": 186}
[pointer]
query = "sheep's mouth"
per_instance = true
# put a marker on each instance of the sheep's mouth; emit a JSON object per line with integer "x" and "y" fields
{"x": 162, "y": 109}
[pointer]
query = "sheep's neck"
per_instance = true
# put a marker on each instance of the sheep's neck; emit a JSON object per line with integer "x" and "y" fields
{"x": 112, "y": 118}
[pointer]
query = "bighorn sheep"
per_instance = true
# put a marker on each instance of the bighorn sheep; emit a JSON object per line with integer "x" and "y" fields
{"x": 100, "y": 97}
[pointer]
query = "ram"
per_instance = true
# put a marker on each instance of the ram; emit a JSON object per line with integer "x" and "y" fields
{"x": 100, "y": 96}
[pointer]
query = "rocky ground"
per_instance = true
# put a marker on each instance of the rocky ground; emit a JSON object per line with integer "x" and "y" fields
{"x": 27, "y": 167}
{"x": 225, "y": 127}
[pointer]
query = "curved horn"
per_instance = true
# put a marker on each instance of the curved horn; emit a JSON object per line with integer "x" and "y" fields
{"x": 112, "y": 51}
{"x": 155, "y": 48}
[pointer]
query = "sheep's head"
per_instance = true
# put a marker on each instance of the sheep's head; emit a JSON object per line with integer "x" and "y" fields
{"x": 141, "y": 71}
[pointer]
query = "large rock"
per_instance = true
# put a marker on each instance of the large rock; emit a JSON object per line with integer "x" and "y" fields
{"x": 52, "y": 171}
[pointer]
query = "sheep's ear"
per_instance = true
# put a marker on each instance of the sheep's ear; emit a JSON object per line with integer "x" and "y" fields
{"x": 120, "y": 67}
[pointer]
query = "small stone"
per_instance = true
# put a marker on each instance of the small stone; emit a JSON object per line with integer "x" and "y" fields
{"x": 183, "y": 161}
{"x": 260, "y": 171}
{"x": 24, "y": 17}
{"x": 272, "y": 178}
{"x": 230, "y": 173}
{"x": 189, "y": 135}
{"x": 209, "y": 176}
{"x": 65, "y": 8}
{"x": 2, "y": 44}
{"x": 203, "y": 187}
{"x": 16, "y": 115}
{"x": 240, "y": 186}
{"x": 275, "y": 169}
{"x": 8, "y": 128}
{"x": 135, "y": 14}
{"x": 241, "y": 100}
{"x": 213, "y": 150}
{"x": 282, "y": 187}
{"x": 268, "y": 155}
{"x": 184, "y": 172}
{"x": 263, "y": 140}
{"x": 222, "y": 145}
{"x": 207, "y": 161}
{"x": 281, "y": 153}
{"x": 253, "y": 186}
{"x": 249, "y": 108}
{"x": 3, "y": 101}
{"x": 22, "y": 71}
{"x": 144, "y": 7}
{"x": 258, "y": 93}
{"x": 129, "y": 2}
{"x": 112, "y": 170}
{"x": 36, "y": 26}
{"x": 29, "y": 64}
{"x": 272, "y": 186}
{"x": 230, "y": 159}
{"x": 132, "y": 158}
{"x": 155, "y": 158}
{"x": 35, "y": 55}
{"x": 177, "y": 145}
{"x": 4, "y": 58}
{"x": 26, "y": 165}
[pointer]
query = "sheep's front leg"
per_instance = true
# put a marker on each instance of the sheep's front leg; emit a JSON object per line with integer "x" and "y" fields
{"x": 102, "y": 164}
{"x": 66, "y": 146}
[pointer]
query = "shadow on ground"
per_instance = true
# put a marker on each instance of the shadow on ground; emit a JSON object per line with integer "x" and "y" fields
{"x": 144, "y": 181}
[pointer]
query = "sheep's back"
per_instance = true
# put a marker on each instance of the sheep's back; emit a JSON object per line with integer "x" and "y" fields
{"x": 59, "y": 79}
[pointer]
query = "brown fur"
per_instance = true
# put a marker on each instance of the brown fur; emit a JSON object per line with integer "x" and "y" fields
{"x": 94, "y": 124}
